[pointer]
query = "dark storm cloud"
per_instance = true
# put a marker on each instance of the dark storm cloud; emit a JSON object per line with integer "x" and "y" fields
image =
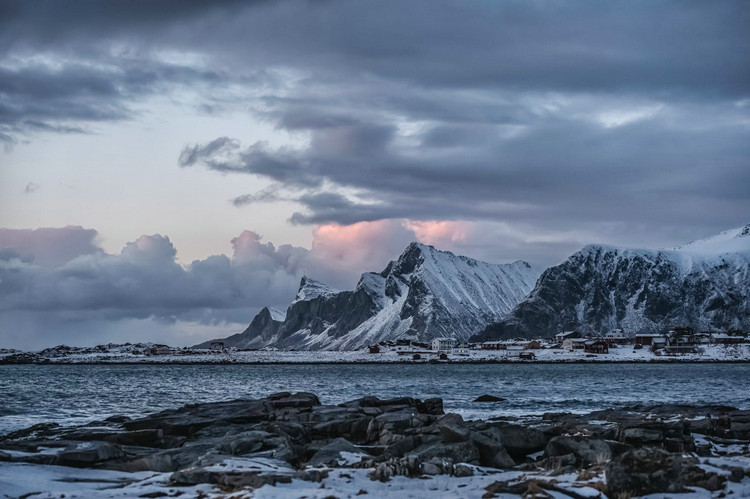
{"x": 554, "y": 114}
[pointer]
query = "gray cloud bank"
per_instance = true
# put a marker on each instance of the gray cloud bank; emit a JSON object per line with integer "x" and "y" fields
{"x": 57, "y": 285}
{"x": 560, "y": 116}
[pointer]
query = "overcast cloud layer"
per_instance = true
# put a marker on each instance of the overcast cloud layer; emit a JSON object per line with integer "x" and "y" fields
{"x": 525, "y": 126}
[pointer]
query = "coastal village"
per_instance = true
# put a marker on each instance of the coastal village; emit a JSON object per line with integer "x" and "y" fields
{"x": 681, "y": 344}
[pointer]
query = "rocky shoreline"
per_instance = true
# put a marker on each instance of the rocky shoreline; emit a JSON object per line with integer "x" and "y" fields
{"x": 249, "y": 446}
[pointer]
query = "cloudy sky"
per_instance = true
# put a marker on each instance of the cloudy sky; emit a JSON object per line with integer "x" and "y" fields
{"x": 167, "y": 168}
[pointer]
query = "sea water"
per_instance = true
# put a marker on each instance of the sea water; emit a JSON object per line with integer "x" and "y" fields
{"x": 77, "y": 394}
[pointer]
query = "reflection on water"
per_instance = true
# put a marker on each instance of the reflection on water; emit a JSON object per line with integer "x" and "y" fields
{"x": 78, "y": 393}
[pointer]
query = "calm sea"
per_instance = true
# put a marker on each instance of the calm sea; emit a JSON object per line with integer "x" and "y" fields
{"x": 74, "y": 394}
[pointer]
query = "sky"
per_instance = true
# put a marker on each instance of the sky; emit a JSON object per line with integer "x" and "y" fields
{"x": 168, "y": 168}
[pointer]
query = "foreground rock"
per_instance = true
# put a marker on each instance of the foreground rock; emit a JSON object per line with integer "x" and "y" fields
{"x": 643, "y": 449}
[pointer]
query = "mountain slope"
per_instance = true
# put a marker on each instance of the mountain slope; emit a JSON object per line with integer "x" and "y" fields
{"x": 703, "y": 284}
{"x": 424, "y": 294}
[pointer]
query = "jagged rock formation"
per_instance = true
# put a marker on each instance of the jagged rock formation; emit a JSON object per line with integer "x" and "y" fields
{"x": 704, "y": 284}
{"x": 424, "y": 294}
{"x": 645, "y": 448}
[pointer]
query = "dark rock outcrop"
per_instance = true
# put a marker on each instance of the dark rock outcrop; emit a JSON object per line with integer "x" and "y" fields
{"x": 641, "y": 447}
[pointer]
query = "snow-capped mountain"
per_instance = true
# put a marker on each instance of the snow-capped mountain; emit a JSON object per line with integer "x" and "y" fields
{"x": 704, "y": 284}
{"x": 424, "y": 294}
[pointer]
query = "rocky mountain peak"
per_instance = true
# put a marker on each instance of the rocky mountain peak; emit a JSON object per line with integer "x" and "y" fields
{"x": 423, "y": 294}
{"x": 412, "y": 257}
{"x": 310, "y": 288}
{"x": 745, "y": 231}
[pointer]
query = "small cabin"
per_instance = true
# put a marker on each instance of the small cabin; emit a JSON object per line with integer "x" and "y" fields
{"x": 416, "y": 356}
{"x": 532, "y": 345}
{"x": 217, "y": 346}
{"x": 527, "y": 356}
{"x": 443, "y": 356}
{"x": 374, "y": 348}
{"x": 596, "y": 346}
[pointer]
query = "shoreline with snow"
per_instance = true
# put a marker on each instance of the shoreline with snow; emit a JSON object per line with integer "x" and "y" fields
{"x": 137, "y": 355}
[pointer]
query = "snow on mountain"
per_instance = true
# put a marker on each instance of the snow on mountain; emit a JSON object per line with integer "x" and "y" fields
{"x": 310, "y": 288}
{"x": 704, "y": 284}
{"x": 424, "y": 294}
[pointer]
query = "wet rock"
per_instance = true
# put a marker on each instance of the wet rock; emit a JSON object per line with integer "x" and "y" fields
{"x": 89, "y": 454}
{"x": 246, "y": 443}
{"x": 432, "y": 406}
{"x": 451, "y": 433}
{"x": 298, "y": 400}
{"x": 643, "y": 471}
{"x": 642, "y": 436}
{"x": 491, "y": 452}
{"x": 520, "y": 441}
{"x": 402, "y": 446}
{"x": 488, "y": 398}
{"x": 449, "y": 419}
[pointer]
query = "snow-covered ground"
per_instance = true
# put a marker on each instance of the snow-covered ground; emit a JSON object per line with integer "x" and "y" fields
{"x": 46, "y": 482}
{"x": 134, "y": 354}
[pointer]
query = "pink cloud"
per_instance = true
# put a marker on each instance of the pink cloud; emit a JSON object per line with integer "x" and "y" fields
{"x": 441, "y": 233}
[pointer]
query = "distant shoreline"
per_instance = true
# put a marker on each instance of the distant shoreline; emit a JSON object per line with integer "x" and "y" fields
{"x": 375, "y": 362}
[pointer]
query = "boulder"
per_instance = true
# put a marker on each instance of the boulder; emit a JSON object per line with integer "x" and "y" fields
{"x": 646, "y": 470}
{"x": 461, "y": 470}
{"x": 520, "y": 441}
{"x": 245, "y": 443}
{"x": 331, "y": 453}
{"x": 642, "y": 436}
{"x": 491, "y": 452}
{"x": 403, "y": 445}
{"x": 89, "y": 454}
{"x": 488, "y": 398}
{"x": 451, "y": 433}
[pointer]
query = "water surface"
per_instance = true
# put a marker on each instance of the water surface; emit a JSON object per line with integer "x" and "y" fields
{"x": 74, "y": 394}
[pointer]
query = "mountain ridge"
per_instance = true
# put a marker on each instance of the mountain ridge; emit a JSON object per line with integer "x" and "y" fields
{"x": 703, "y": 284}
{"x": 423, "y": 294}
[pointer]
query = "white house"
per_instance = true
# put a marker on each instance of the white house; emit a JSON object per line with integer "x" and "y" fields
{"x": 574, "y": 343}
{"x": 444, "y": 344}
